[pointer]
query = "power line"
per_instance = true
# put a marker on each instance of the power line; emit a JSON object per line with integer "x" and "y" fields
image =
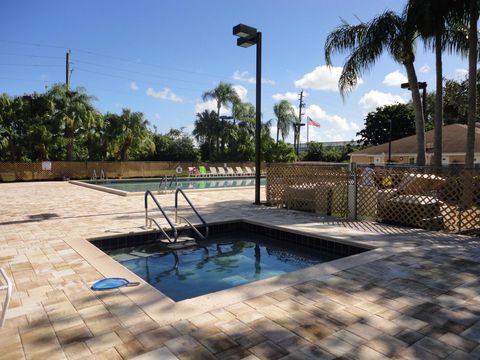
{"x": 20, "y": 79}
{"x": 129, "y": 79}
{"x": 131, "y": 61}
{"x": 33, "y": 65}
{"x": 31, "y": 55}
{"x": 137, "y": 72}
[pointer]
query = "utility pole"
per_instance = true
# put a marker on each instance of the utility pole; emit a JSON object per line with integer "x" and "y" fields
{"x": 296, "y": 140}
{"x": 67, "y": 70}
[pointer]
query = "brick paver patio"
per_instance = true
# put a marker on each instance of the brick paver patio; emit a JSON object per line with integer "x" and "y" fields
{"x": 420, "y": 301}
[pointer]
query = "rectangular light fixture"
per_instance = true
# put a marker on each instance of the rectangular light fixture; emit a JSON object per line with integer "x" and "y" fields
{"x": 246, "y": 42}
{"x": 244, "y": 31}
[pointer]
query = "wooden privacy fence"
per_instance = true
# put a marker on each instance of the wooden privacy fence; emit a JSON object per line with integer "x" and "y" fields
{"x": 446, "y": 199}
{"x": 55, "y": 170}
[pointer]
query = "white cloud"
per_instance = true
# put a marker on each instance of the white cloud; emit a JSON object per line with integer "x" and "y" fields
{"x": 322, "y": 78}
{"x": 246, "y": 77}
{"x": 165, "y": 94}
{"x": 241, "y": 91}
{"x": 373, "y": 99}
{"x": 424, "y": 69}
{"x": 332, "y": 127}
{"x": 133, "y": 86}
{"x": 319, "y": 115}
{"x": 289, "y": 95}
{"x": 461, "y": 72}
{"x": 395, "y": 78}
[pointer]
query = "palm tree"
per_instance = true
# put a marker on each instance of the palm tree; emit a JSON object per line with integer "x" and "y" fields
{"x": 285, "y": 117}
{"x": 441, "y": 29}
{"x": 206, "y": 129}
{"x": 366, "y": 43}
{"x": 128, "y": 133}
{"x": 73, "y": 107}
{"x": 472, "y": 80}
{"x": 224, "y": 94}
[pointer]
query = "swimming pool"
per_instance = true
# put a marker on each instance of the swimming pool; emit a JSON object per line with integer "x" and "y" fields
{"x": 235, "y": 254}
{"x": 137, "y": 185}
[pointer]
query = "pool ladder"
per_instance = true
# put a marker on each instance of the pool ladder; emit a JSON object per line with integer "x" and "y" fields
{"x": 149, "y": 220}
{"x": 164, "y": 182}
{"x": 102, "y": 175}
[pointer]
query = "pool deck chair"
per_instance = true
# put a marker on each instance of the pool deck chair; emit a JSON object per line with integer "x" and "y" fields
{"x": 8, "y": 287}
{"x": 248, "y": 171}
{"x": 202, "y": 171}
{"x": 230, "y": 171}
{"x": 239, "y": 171}
{"x": 213, "y": 171}
{"x": 221, "y": 171}
{"x": 192, "y": 171}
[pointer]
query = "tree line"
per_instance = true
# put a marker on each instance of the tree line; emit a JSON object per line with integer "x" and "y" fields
{"x": 63, "y": 124}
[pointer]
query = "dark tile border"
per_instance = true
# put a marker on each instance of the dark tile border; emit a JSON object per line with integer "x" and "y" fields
{"x": 287, "y": 238}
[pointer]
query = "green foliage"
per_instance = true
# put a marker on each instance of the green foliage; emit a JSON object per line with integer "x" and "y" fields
{"x": 174, "y": 146}
{"x": 317, "y": 152}
{"x": 129, "y": 137}
{"x": 64, "y": 125}
{"x": 278, "y": 152}
{"x": 377, "y": 124}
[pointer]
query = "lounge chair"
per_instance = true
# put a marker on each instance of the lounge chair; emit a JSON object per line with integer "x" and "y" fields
{"x": 192, "y": 171}
{"x": 203, "y": 171}
{"x": 230, "y": 171}
{"x": 248, "y": 171}
{"x": 239, "y": 171}
{"x": 213, "y": 171}
{"x": 221, "y": 171}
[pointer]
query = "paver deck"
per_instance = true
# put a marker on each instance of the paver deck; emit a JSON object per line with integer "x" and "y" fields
{"x": 419, "y": 300}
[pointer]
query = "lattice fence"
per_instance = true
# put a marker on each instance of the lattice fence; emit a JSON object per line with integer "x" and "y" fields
{"x": 446, "y": 199}
{"x": 322, "y": 189}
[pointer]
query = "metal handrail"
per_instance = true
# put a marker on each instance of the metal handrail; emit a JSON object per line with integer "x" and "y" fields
{"x": 103, "y": 176}
{"x": 179, "y": 190}
{"x": 147, "y": 218}
{"x": 8, "y": 287}
{"x": 164, "y": 180}
{"x": 174, "y": 177}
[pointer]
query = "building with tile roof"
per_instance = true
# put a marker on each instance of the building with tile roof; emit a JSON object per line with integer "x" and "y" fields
{"x": 404, "y": 150}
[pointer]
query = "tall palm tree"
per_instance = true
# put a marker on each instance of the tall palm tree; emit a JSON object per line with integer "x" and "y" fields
{"x": 366, "y": 43}
{"x": 285, "y": 115}
{"x": 224, "y": 94}
{"x": 472, "y": 80}
{"x": 438, "y": 23}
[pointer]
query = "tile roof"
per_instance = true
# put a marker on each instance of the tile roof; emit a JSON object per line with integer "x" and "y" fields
{"x": 453, "y": 141}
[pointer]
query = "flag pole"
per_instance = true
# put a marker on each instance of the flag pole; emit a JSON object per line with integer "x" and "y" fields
{"x": 308, "y": 126}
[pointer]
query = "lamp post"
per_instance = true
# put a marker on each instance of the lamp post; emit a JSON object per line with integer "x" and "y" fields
{"x": 296, "y": 135}
{"x": 422, "y": 85}
{"x": 390, "y": 144}
{"x": 248, "y": 36}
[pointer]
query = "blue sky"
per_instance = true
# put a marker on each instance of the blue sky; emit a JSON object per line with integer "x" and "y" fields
{"x": 158, "y": 57}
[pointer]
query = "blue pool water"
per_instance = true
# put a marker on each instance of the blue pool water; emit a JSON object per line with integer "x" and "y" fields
{"x": 200, "y": 183}
{"x": 223, "y": 261}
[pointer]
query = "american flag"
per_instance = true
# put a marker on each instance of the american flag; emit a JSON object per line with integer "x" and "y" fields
{"x": 312, "y": 122}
